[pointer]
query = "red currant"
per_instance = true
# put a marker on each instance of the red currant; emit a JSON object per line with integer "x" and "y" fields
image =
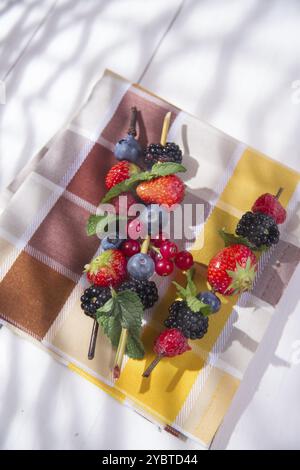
{"x": 130, "y": 247}
{"x": 184, "y": 260}
{"x": 158, "y": 239}
{"x": 164, "y": 267}
{"x": 156, "y": 255}
{"x": 168, "y": 249}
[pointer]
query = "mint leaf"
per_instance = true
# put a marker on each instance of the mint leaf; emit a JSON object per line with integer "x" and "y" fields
{"x": 191, "y": 287}
{"x": 106, "y": 308}
{"x": 97, "y": 223}
{"x": 166, "y": 168}
{"x": 231, "y": 239}
{"x": 92, "y": 222}
{"x": 131, "y": 309}
{"x": 134, "y": 346}
{"x": 111, "y": 327}
{"x": 182, "y": 292}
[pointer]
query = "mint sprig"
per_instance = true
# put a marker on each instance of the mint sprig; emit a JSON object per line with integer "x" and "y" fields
{"x": 159, "y": 169}
{"x": 232, "y": 239}
{"x": 98, "y": 223}
{"x": 123, "y": 310}
{"x": 189, "y": 293}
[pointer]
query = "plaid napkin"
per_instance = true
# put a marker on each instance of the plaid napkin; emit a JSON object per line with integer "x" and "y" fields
{"x": 44, "y": 246}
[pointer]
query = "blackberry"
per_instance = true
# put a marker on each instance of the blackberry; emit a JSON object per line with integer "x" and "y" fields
{"x": 259, "y": 229}
{"x": 146, "y": 290}
{"x": 93, "y": 298}
{"x": 193, "y": 325}
{"x": 163, "y": 153}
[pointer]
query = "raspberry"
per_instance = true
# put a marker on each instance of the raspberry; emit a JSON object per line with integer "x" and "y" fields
{"x": 171, "y": 342}
{"x": 193, "y": 325}
{"x": 163, "y": 153}
{"x": 269, "y": 204}
{"x": 93, "y": 298}
{"x": 260, "y": 229}
{"x": 146, "y": 290}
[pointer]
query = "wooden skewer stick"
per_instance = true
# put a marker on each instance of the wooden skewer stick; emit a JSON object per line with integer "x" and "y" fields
{"x": 93, "y": 340}
{"x": 165, "y": 128}
{"x": 152, "y": 365}
{"x": 120, "y": 353}
{"x": 279, "y": 192}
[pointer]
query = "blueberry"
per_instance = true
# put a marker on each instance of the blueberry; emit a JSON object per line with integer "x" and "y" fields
{"x": 210, "y": 299}
{"x": 140, "y": 266}
{"x": 155, "y": 217}
{"x": 108, "y": 243}
{"x": 128, "y": 149}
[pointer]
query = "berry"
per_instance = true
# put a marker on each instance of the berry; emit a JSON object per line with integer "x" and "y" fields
{"x": 259, "y": 229}
{"x": 140, "y": 266}
{"x": 170, "y": 343}
{"x": 163, "y": 153}
{"x": 269, "y": 204}
{"x": 168, "y": 249}
{"x": 120, "y": 172}
{"x": 146, "y": 290}
{"x": 164, "y": 267}
{"x": 154, "y": 217}
{"x": 193, "y": 325}
{"x": 210, "y": 299}
{"x": 122, "y": 203}
{"x": 232, "y": 270}
{"x": 130, "y": 247}
{"x": 128, "y": 149}
{"x": 108, "y": 243}
{"x": 107, "y": 269}
{"x": 93, "y": 298}
{"x": 167, "y": 190}
{"x": 184, "y": 260}
{"x": 158, "y": 239}
{"x": 135, "y": 229}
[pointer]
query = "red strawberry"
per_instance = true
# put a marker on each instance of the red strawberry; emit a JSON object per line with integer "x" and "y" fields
{"x": 107, "y": 269}
{"x": 232, "y": 270}
{"x": 169, "y": 343}
{"x": 167, "y": 190}
{"x": 120, "y": 172}
{"x": 269, "y": 204}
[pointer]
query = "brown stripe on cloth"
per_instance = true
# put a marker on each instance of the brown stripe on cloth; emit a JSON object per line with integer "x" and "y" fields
{"x": 89, "y": 181}
{"x": 32, "y": 295}
{"x": 150, "y": 119}
{"x": 62, "y": 236}
{"x": 277, "y": 273}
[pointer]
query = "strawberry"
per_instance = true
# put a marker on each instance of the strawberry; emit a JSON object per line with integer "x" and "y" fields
{"x": 169, "y": 343}
{"x": 269, "y": 204}
{"x": 107, "y": 269}
{"x": 166, "y": 190}
{"x": 120, "y": 172}
{"x": 232, "y": 270}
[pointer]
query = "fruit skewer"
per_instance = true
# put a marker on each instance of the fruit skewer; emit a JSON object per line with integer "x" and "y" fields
{"x": 120, "y": 275}
{"x": 230, "y": 271}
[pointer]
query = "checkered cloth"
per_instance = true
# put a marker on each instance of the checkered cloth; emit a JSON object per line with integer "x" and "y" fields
{"x": 44, "y": 246}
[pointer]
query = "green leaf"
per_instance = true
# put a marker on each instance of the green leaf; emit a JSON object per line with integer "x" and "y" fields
{"x": 134, "y": 346}
{"x": 191, "y": 287}
{"x": 195, "y": 304}
{"x": 167, "y": 168}
{"x": 111, "y": 327}
{"x": 182, "y": 292}
{"x": 131, "y": 309}
{"x": 231, "y": 239}
{"x": 97, "y": 223}
{"x": 106, "y": 308}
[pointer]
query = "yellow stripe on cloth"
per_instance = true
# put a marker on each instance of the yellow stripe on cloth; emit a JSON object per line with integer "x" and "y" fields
{"x": 112, "y": 391}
